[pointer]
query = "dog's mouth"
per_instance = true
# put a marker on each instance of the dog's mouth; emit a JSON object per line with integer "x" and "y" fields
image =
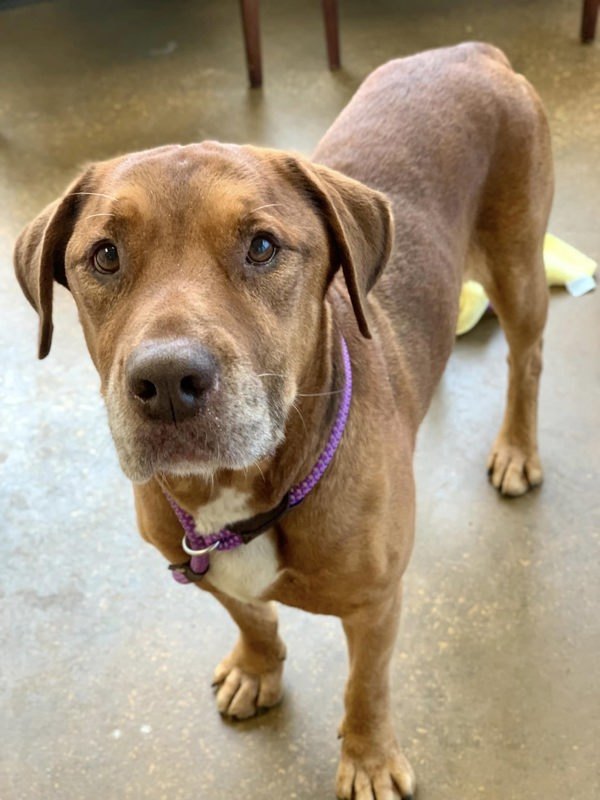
{"x": 188, "y": 449}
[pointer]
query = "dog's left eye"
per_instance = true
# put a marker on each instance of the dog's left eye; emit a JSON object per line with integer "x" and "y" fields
{"x": 106, "y": 259}
{"x": 262, "y": 250}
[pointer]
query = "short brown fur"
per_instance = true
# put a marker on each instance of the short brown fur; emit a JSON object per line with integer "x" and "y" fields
{"x": 459, "y": 146}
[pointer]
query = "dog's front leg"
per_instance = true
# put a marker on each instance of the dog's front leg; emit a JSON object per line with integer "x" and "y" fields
{"x": 372, "y": 764}
{"x": 249, "y": 679}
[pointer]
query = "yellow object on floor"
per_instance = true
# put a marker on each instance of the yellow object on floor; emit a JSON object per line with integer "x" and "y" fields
{"x": 565, "y": 266}
{"x": 564, "y": 263}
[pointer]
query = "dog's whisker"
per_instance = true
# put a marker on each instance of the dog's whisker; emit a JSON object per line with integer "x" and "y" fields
{"x": 267, "y": 205}
{"x": 295, "y": 407}
{"x": 300, "y": 394}
{"x": 259, "y": 468}
{"x": 96, "y": 194}
{"x": 101, "y": 214}
{"x": 319, "y": 394}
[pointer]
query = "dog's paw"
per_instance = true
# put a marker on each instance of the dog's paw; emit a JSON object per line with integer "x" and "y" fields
{"x": 512, "y": 470}
{"x": 374, "y": 775}
{"x": 242, "y": 693}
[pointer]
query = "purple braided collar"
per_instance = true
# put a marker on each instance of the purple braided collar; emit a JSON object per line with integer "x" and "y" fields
{"x": 198, "y": 546}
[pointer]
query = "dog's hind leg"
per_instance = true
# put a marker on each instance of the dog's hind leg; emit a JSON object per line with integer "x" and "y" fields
{"x": 521, "y": 304}
{"x": 249, "y": 679}
{"x": 511, "y": 235}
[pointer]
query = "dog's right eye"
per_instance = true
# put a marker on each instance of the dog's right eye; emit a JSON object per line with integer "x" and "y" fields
{"x": 106, "y": 258}
{"x": 262, "y": 250}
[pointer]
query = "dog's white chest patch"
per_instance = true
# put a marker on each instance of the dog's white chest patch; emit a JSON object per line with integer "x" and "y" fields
{"x": 247, "y": 571}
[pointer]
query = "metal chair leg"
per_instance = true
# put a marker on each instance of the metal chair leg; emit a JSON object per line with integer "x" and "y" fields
{"x": 589, "y": 18}
{"x": 332, "y": 32}
{"x": 251, "y": 25}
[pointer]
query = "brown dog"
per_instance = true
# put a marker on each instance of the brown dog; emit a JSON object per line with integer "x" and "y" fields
{"x": 207, "y": 283}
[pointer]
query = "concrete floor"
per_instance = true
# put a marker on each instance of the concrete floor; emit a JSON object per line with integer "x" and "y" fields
{"x": 105, "y": 662}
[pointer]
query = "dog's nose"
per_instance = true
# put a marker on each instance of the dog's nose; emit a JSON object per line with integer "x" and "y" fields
{"x": 170, "y": 380}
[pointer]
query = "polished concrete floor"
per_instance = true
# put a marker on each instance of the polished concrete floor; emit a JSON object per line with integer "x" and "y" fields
{"x": 105, "y": 662}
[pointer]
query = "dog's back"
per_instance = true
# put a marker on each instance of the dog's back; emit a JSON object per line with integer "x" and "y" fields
{"x": 458, "y": 142}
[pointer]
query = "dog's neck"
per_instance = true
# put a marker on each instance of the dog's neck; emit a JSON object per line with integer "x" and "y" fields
{"x": 308, "y": 427}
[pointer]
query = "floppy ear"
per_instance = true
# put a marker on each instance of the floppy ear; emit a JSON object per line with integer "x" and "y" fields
{"x": 39, "y": 255}
{"x": 360, "y": 226}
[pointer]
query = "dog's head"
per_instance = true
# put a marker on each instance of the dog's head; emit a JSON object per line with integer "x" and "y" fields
{"x": 200, "y": 275}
